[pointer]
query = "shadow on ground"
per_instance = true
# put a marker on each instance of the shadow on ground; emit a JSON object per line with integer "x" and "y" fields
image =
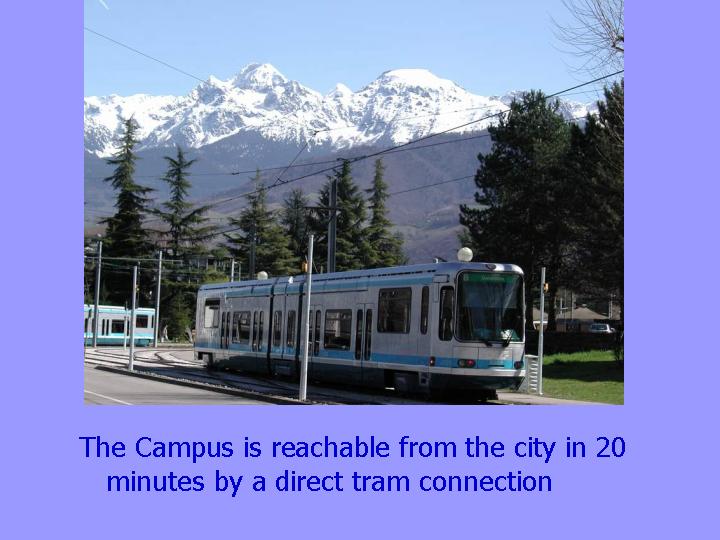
{"x": 588, "y": 371}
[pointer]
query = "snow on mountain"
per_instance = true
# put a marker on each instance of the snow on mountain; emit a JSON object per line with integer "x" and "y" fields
{"x": 398, "y": 106}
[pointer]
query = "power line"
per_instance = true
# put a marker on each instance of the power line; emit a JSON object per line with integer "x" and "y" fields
{"x": 431, "y": 185}
{"x": 143, "y": 54}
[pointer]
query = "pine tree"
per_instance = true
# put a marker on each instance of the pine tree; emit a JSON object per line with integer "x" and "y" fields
{"x": 125, "y": 235}
{"x": 526, "y": 215}
{"x": 186, "y": 225}
{"x": 260, "y": 234}
{"x": 351, "y": 244}
{"x": 186, "y": 230}
{"x": 295, "y": 222}
{"x": 383, "y": 247}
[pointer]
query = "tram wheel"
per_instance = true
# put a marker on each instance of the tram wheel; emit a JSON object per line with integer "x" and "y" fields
{"x": 210, "y": 366}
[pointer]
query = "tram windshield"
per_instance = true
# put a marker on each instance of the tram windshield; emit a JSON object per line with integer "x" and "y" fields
{"x": 490, "y": 307}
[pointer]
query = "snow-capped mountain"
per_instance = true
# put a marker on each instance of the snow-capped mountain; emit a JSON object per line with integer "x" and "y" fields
{"x": 398, "y": 106}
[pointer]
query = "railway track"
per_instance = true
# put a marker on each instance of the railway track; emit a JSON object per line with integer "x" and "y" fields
{"x": 165, "y": 363}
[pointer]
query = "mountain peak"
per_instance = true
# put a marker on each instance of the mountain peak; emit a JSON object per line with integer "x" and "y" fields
{"x": 340, "y": 90}
{"x": 258, "y": 76}
{"x": 413, "y": 77}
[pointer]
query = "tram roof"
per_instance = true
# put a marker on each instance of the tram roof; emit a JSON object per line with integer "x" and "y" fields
{"x": 117, "y": 308}
{"x": 438, "y": 268}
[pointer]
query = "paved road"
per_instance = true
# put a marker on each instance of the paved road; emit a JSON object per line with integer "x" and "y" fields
{"x": 106, "y": 388}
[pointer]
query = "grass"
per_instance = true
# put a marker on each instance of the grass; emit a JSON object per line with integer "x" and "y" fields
{"x": 584, "y": 376}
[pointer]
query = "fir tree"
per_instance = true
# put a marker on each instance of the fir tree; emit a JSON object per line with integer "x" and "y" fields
{"x": 351, "y": 244}
{"x": 383, "y": 247}
{"x": 186, "y": 229}
{"x": 186, "y": 225}
{"x": 261, "y": 236}
{"x": 125, "y": 235}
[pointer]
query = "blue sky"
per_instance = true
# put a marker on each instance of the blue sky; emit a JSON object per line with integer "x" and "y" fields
{"x": 488, "y": 47}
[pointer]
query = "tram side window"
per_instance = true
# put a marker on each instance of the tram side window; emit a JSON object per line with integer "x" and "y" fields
{"x": 242, "y": 322}
{"x": 277, "y": 328}
{"x": 290, "y": 333}
{"x": 338, "y": 326}
{"x": 358, "y": 334}
{"x": 86, "y": 324}
{"x": 212, "y": 313}
{"x": 394, "y": 310}
{"x": 316, "y": 340}
{"x": 445, "y": 328}
{"x": 260, "y": 332}
{"x": 141, "y": 321}
{"x": 117, "y": 326}
{"x": 234, "y": 331}
{"x": 424, "y": 305}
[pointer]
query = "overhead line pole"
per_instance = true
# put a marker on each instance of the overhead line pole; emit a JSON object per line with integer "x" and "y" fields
{"x": 306, "y": 337}
{"x": 157, "y": 299}
{"x": 542, "y": 324}
{"x": 97, "y": 294}
{"x": 131, "y": 358}
{"x": 252, "y": 251}
{"x": 332, "y": 227}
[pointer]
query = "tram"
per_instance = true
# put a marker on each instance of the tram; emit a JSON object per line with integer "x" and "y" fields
{"x": 114, "y": 325}
{"x": 429, "y": 328}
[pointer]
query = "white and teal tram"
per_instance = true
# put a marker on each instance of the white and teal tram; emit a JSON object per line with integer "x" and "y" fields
{"x": 425, "y": 328}
{"x": 114, "y": 325}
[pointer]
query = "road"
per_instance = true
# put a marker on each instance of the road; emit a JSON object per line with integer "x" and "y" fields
{"x": 106, "y": 388}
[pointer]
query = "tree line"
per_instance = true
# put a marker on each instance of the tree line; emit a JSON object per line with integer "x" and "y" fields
{"x": 258, "y": 238}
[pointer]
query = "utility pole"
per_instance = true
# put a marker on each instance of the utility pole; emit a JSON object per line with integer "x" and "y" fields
{"x": 125, "y": 327}
{"x": 232, "y": 270}
{"x": 131, "y": 358}
{"x": 252, "y": 250}
{"x": 157, "y": 299}
{"x": 306, "y": 337}
{"x": 332, "y": 227}
{"x": 97, "y": 293}
{"x": 542, "y": 324}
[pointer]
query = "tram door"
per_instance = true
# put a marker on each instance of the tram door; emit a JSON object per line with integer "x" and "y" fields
{"x": 364, "y": 314}
{"x": 225, "y": 333}
{"x": 314, "y": 338}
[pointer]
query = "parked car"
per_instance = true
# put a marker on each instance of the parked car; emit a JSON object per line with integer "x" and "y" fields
{"x": 601, "y": 328}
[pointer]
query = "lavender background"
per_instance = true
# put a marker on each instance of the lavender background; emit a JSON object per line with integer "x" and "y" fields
{"x": 665, "y": 486}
